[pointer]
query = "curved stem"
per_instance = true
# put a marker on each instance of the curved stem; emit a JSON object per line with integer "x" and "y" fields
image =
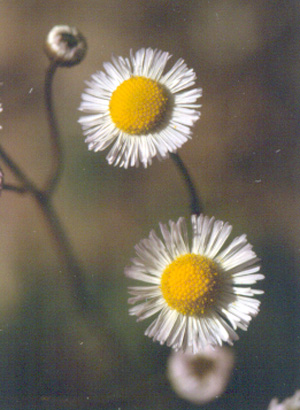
{"x": 57, "y": 152}
{"x": 195, "y": 203}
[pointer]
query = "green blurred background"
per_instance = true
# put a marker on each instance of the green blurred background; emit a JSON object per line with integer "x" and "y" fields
{"x": 244, "y": 158}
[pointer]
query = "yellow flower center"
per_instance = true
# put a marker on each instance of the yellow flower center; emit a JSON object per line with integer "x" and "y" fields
{"x": 138, "y": 105}
{"x": 190, "y": 284}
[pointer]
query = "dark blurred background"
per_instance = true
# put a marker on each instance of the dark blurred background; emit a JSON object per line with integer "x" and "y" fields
{"x": 244, "y": 158}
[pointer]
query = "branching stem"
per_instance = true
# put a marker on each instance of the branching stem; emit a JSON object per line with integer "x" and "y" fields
{"x": 43, "y": 197}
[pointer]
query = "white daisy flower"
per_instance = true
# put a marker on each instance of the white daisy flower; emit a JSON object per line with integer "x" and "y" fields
{"x": 200, "y": 378}
{"x": 141, "y": 111}
{"x": 200, "y": 292}
{"x": 291, "y": 403}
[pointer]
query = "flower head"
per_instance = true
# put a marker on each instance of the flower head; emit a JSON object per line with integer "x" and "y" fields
{"x": 200, "y": 378}
{"x": 65, "y": 45}
{"x": 291, "y": 403}
{"x": 201, "y": 291}
{"x": 141, "y": 111}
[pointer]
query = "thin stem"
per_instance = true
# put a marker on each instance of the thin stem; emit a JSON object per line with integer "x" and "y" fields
{"x": 195, "y": 203}
{"x": 27, "y": 184}
{"x": 43, "y": 200}
{"x": 13, "y": 188}
{"x": 64, "y": 248}
{"x": 74, "y": 275}
{"x": 57, "y": 152}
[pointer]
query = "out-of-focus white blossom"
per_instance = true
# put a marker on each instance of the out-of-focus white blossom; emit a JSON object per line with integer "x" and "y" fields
{"x": 202, "y": 377}
{"x": 291, "y": 403}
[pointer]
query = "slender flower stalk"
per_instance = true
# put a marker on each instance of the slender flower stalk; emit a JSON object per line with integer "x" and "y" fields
{"x": 71, "y": 267}
{"x": 65, "y": 46}
{"x": 28, "y": 185}
{"x": 43, "y": 200}
{"x": 64, "y": 249}
{"x": 195, "y": 202}
{"x": 57, "y": 152}
{"x": 13, "y": 188}
{"x": 43, "y": 197}
{"x": 70, "y": 47}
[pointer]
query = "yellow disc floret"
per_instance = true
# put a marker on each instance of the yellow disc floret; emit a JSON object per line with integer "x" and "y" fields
{"x": 138, "y": 105}
{"x": 190, "y": 283}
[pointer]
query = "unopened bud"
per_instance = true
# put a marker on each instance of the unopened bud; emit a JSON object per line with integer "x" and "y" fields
{"x": 65, "y": 45}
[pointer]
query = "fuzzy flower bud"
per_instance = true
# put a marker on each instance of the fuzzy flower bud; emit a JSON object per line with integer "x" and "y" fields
{"x": 65, "y": 45}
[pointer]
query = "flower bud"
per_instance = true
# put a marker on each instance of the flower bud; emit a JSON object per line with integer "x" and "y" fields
{"x": 65, "y": 46}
